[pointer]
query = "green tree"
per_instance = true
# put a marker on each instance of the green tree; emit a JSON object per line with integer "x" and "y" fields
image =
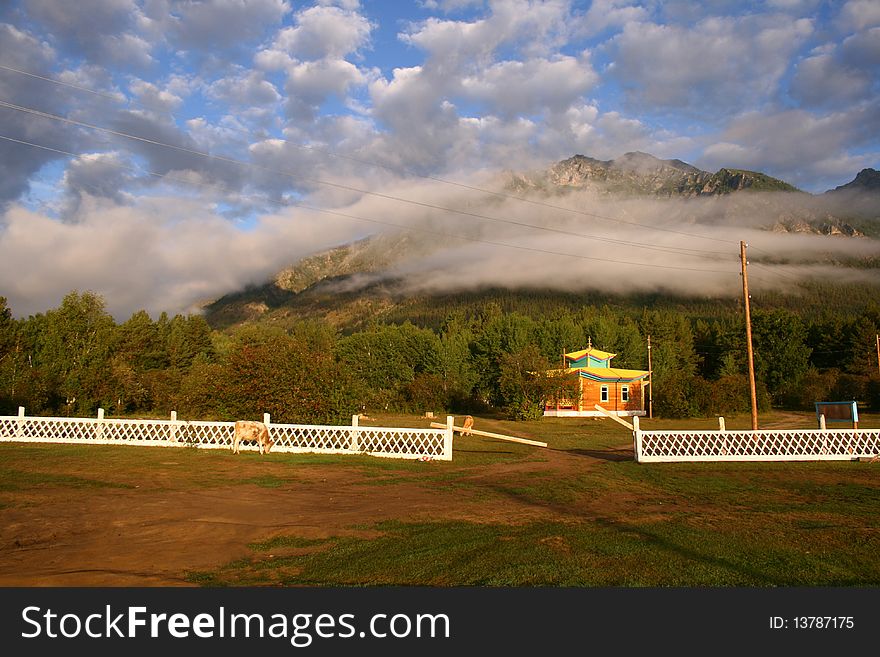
{"x": 496, "y": 335}
{"x": 386, "y": 359}
{"x": 454, "y": 366}
{"x": 138, "y": 343}
{"x": 283, "y": 376}
{"x": 782, "y": 357}
{"x": 73, "y": 349}
{"x": 188, "y": 336}
{"x": 677, "y": 389}
{"x": 525, "y": 383}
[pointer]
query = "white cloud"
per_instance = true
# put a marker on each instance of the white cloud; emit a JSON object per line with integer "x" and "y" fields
{"x": 859, "y": 14}
{"x": 222, "y": 24}
{"x": 862, "y": 50}
{"x": 535, "y": 28}
{"x": 97, "y": 175}
{"x": 804, "y": 149}
{"x": 18, "y": 162}
{"x": 244, "y": 89}
{"x": 324, "y": 31}
{"x": 822, "y": 80}
{"x": 165, "y": 254}
{"x": 104, "y": 31}
{"x": 516, "y": 87}
{"x": 605, "y": 14}
{"x": 717, "y": 67}
{"x": 154, "y": 98}
{"x": 309, "y": 84}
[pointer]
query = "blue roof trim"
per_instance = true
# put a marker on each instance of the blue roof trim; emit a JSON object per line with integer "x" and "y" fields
{"x": 610, "y": 378}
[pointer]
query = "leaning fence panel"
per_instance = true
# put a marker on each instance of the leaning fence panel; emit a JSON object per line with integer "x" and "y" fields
{"x": 390, "y": 442}
{"x": 766, "y": 445}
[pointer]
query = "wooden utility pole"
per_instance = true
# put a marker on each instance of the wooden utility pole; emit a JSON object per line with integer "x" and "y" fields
{"x": 752, "y": 392}
{"x": 650, "y": 383}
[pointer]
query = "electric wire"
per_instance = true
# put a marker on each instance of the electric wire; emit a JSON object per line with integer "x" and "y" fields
{"x": 406, "y": 171}
{"x": 345, "y": 215}
{"x": 242, "y": 163}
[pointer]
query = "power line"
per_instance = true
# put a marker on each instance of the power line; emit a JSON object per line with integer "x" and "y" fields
{"x": 230, "y": 160}
{"x": 407, "y": 171}
{"x": 377, "y": 221}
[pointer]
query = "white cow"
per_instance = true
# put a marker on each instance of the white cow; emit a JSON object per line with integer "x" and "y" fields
{"x": 256, "y": 431}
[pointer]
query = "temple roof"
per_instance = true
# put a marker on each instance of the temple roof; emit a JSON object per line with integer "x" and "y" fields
{"x": 610, "y": 374}
{"x": 595, "y": 353}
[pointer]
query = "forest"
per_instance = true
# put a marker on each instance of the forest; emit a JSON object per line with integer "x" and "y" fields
{"x": 75, "y": 358}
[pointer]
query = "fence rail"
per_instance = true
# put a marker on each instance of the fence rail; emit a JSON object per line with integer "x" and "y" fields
{"x": 388, "y": 442}
{"x": 766, "y": 445}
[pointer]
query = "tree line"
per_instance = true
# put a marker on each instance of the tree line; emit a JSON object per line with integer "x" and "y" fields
{"x": 76, "y": 358}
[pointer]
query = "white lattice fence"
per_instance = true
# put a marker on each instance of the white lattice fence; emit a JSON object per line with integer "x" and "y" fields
{"x": 404, "y": 443}
{"x": 783, "y": 445}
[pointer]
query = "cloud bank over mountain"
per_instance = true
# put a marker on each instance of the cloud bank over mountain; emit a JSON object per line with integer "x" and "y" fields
{"x": 211, "y": 120}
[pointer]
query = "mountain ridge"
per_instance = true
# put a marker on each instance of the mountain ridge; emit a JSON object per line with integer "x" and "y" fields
{"x": 358, "y": 280}
{"x": 638, "y": 173}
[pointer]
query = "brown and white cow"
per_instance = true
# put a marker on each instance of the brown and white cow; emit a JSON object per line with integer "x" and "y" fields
{"x": 256, "y": 431}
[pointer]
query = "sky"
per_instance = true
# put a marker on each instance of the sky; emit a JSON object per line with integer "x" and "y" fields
{"x": 164, "y": 152}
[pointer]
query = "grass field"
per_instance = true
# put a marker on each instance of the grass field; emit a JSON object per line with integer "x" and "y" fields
{"x": 580, "y": 513}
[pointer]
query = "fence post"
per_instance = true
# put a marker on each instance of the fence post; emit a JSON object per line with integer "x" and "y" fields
{"x": 19, "y": 427}
{"x": 173, "y": 436}
{"x": 267, "y": 420}
{"x": 822, "y": 422}
{"x": 355, "y": 443}
{"x": 722, "y": 427}
{"x": 637, "y": 437}
{"x": 447, "y": 438}
{"x": 100, "y": 432}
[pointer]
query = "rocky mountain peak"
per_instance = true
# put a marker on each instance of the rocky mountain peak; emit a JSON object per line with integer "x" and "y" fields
{"x": 867, "y": 180}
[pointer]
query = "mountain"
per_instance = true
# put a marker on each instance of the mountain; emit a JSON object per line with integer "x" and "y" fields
{"x": 309, "y": 280}
{"x": 642, "y": 174}
{"x": 867, "y": 180}
{"x": 361, "y": 282}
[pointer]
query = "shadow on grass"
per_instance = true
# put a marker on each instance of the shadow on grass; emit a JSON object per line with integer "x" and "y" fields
{"x": 615, "y": 455}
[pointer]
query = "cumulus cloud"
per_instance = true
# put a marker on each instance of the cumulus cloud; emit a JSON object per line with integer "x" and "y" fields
{"x": 151, "y": 96}
{"x": 795, "y": 145}
{"x": 18, "y": 163}
{"x": 517, "y": 88}
{"x": 324, "y": 32}
{"x": 244, "y": 88}
{"x": 858, "y": 15}
{"x": 820, "y": 80}
{"x": 221, "y": 24}
{"x": 605, "y": 14}
{"x": 166, "y": 148}
{"x": 164, "y": 254}
{"x": 309, "y": 84}
{"x": 534, "y": 28}
{"x": 96, "y": 175}
{"x": 102, "y": 30}
{"x": 643, "y": 250}
{"x": 718, "y": 66}
{"x": 314, "y": 55}
{"x": 300, "y": 91}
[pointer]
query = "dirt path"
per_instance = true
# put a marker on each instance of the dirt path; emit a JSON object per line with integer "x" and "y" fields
{"x": 154, "y": 533}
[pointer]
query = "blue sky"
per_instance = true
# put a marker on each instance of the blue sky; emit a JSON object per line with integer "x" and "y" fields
{"x": 441, "y": 88}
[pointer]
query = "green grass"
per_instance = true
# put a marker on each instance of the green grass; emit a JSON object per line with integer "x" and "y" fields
{"x": 675, "y": 552}
{"x": 628, "y": 524}
{"x": 603, "y": 520}
{"x": 17, "y": 480}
